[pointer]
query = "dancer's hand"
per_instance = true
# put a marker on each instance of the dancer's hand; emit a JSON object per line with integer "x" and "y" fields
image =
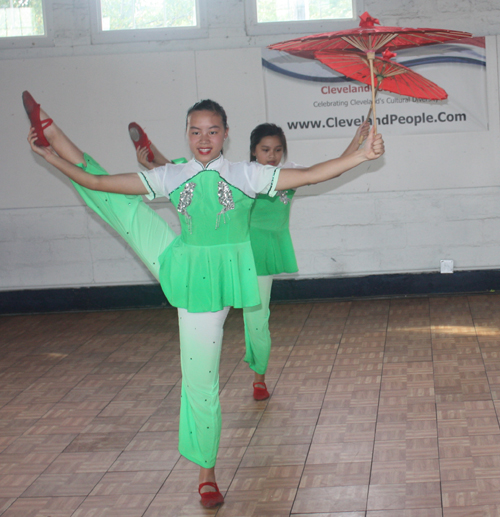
{"x": 142, "y": 158}
{"x": 362, "y": 132}
{"x": 360, "y": 135}
{"x": 374, "y": 146}
{"x": 42, "y": 151}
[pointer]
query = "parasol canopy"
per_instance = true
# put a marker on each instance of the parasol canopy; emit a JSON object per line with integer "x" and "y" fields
{"x": 388, "y": 75}
{"x": 368, "y": 38}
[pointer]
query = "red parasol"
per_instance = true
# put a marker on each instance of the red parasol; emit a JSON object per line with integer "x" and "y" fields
{"x": 388, "y": 75}
{"x": 368, "y": 39}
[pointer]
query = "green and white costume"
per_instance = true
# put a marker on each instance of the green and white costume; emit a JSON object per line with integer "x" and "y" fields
{"x": 204, "y": 271}
{"x": 273, "y": 253}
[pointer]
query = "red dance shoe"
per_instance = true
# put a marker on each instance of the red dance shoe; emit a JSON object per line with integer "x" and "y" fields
{"x": 210, "y": 499}
{"x": 33, "y": 111}
{"x": 259, "y": 392}
{"x": 140, "y": 139}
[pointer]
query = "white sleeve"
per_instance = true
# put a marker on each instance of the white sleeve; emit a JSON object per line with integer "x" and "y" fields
{"x": 155, "y": 182}
{"x": 265, "y": 182}
{"x": 262, "y": 178}
{"x": 251, "y": 178}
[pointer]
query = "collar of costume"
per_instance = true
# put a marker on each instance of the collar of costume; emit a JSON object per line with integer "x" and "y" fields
{"x": 212, "y": 164}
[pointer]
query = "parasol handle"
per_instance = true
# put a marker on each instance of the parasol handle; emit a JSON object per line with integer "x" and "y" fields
{"x": 371, "y": 57}
{"x": 361, "y": 139}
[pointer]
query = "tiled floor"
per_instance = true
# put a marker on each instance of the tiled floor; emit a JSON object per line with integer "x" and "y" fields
{"x": 380, "y": 408}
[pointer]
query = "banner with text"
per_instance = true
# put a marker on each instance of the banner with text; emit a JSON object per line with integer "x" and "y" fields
{"x": 309, "y": 100}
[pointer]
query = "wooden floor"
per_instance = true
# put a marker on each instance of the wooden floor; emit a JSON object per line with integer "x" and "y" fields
{"x": 380, "y": 408}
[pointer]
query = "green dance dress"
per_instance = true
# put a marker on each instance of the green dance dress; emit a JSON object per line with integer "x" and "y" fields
{"x": 202, "y": 271}
{"x": 270, "y": 234}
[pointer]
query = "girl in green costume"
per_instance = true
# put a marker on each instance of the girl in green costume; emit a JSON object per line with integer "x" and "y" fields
{"x": 271, "y": 244}
{"x": 210, "y": 266}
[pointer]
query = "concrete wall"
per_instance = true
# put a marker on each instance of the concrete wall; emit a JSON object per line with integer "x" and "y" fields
{"x": 431, "y": 197}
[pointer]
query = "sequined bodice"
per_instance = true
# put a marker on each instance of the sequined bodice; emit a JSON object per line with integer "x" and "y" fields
{"x": 211, "y": 211}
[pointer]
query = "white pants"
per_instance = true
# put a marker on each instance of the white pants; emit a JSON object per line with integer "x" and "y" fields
{"x": 200, "y": 419}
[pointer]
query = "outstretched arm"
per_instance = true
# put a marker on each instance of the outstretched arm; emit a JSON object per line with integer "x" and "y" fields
{"x": 294, "y": 178}
{"x": 117, "y": 183}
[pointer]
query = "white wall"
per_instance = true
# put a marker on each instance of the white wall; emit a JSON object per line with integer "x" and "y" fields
{"x": 430, "y": 197}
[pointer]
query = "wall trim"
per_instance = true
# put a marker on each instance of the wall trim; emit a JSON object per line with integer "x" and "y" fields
{"x": 32, "y": 301}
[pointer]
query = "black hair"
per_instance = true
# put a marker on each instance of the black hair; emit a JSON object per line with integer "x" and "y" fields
{"x": 208, "y": 105}
{"x": 263, "y": 130}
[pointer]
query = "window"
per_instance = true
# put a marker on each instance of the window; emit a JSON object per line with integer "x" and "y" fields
{"x": 300, "y": 16}
{"x": 21, "y": 18}
{"x": 24, "y": 23}
{"x": 297, "y": 10}
{"x": 147, "y": 14}
{"x": 144, "y": 20}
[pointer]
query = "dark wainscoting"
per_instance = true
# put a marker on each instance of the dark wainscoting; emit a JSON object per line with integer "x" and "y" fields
{"x": 284, "y": 290}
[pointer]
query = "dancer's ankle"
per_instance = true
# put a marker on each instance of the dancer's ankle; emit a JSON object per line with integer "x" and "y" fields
{"x": 207, "y": 476}
{"x": 259, "y": 377}
{"x": 50, "y": 131}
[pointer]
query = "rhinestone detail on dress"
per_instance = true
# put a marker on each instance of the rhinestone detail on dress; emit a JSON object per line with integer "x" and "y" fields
{"x": 184, "y": 201}
{"x": 283, "y": 196}
{"x": 226, "y": 200}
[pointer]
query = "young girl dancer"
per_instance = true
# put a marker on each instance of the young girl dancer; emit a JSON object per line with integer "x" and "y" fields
{"x": 269, "y": 234}
{"x": 271, "y": 244}
{"x": 210, "y": 266}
